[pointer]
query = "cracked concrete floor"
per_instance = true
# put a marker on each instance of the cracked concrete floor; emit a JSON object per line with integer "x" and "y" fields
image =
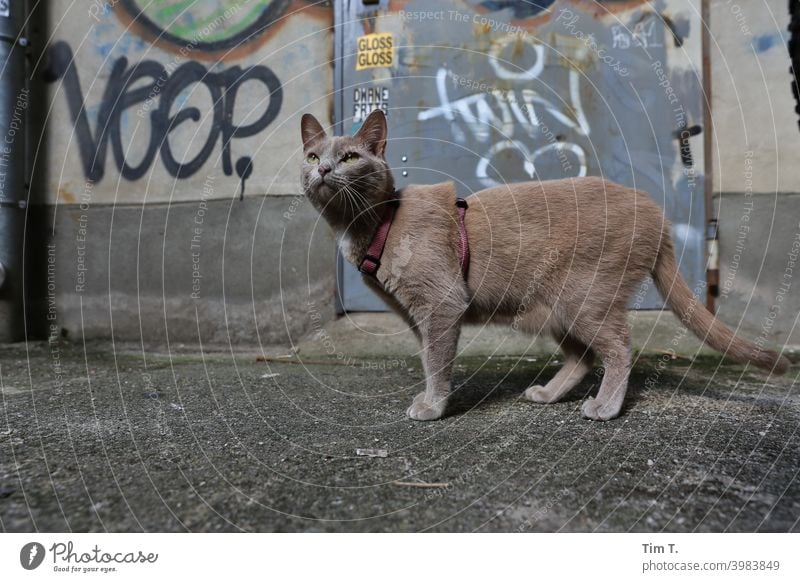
{"x": 92, "y": 440}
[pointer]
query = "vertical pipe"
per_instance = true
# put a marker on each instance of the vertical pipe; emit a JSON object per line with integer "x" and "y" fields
{"x": 712, "y": 225}
{"x": 341, "y": 10}
{"x": 14, "y": 101}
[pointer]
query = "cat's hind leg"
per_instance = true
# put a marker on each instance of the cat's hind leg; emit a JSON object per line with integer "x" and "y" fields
{"x": 612, "y": 343}
{"x": 578, "y": 360}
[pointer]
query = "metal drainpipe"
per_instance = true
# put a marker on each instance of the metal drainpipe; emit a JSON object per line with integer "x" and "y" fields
{"x": 13, "y": 192}
{"x": 712, "y": 221}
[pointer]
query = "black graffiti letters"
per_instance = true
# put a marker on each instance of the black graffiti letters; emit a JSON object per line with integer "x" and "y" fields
{"x": 140, "y": 84}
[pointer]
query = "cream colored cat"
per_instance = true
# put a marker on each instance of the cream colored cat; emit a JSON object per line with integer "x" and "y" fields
{"x": 561, "y": 257}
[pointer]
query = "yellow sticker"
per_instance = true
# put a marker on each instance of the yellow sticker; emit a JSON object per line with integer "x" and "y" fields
{"x": 375, "y": 50}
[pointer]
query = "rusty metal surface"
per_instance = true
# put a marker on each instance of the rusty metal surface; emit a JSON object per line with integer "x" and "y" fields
{"x": 485, "y": 93}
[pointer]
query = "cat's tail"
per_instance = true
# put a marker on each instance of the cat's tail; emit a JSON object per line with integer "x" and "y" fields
{"x": 701, "y": 322}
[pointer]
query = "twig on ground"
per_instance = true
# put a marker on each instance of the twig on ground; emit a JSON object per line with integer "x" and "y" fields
{"x": 420, "y": 484}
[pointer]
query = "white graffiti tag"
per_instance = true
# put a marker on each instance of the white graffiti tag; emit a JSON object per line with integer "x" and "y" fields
{"x": 493, "y": 111}
{"x": 643, "y": 34}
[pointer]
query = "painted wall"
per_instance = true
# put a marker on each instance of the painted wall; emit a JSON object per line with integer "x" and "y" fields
{"x": 753, "y": 105}
{"x": 489, "y": 92}
{"x": 171, "y": 208}
{"x": 756, "y": 176}
{"x": 158, "y": 120}
{"x": 147, "y": 104}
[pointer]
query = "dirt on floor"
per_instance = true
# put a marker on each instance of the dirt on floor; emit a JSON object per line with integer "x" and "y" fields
{"x": 104, "y": 439}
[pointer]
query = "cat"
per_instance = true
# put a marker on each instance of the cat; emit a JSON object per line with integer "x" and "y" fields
{"x": 561, "y": 257}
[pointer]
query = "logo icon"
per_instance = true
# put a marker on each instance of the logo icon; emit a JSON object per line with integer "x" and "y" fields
{"x": 31, "y": 555}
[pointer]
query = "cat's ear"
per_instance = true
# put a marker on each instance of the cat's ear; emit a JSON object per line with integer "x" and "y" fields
{"x": 373, "y": 132}
{"x": 311, "y": 130}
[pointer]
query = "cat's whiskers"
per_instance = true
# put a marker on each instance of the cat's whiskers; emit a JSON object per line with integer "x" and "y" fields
{"x": 355, "y": 199}
{"x": 367, "y": 206}
{"x": 339, "y": 191}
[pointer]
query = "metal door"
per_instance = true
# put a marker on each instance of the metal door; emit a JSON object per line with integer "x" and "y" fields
{"x": 486, "y": 92}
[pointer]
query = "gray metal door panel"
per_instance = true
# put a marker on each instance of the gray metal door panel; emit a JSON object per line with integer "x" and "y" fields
{"x": 536, "y": 91}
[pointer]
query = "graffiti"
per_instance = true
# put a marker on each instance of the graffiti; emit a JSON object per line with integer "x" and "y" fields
{"x": 129, "y": 86}
{"x": 643, "y": 34}
{"x": 523, "y": 10}
{"x": 683, "y": 136}
{"x": 231, "y": 23}
{"x": 515, "y": 74}
{"x": 519, "y": 9}
{"x": 569, "y": 21}
{"x": 505, "y": 112}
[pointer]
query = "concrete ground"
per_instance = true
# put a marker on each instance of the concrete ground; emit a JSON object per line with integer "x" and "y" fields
{"x": 111, "y": 437}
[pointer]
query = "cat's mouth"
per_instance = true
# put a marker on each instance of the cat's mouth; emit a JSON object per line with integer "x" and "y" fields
{"x": 324, "y": 190}
{"x": 329, "y": 188}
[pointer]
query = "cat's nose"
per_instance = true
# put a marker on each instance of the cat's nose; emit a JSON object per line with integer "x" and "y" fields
{"x": 324, "y": 169}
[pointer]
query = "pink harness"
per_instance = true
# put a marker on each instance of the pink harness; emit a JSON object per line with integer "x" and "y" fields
{"x": 372, "y": 261}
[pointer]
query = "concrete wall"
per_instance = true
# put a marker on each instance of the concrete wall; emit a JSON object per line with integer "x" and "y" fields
{"x": 169, "y": 204}
{"x": 756, "y": 176}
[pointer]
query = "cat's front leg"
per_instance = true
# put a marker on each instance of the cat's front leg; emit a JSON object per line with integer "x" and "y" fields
{"x": 439, "y": 332}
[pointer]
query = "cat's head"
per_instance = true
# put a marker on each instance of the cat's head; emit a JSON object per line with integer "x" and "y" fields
{"x": 344, "y": 177}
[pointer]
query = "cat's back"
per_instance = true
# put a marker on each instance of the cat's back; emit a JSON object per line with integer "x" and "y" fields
{"x": 570, "y": 202}
{"x": 427, "y": 209}
{"x": 588, "y": 190}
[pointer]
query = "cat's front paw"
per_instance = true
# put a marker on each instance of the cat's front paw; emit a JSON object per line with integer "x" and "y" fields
{"x": 594, "y": 410}
{"x": 539, "y": 394}
{"x": 420, "y": 410}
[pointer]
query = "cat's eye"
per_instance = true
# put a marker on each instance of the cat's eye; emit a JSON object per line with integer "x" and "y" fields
{"x": 312, "y": 159}
{"x": 351, "y": 157}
